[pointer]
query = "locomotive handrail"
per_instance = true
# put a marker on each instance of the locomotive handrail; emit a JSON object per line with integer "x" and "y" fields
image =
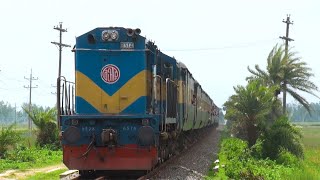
{"x": 155, "y": 97}
{"x": 58, "y": 99}
{"x": 65, "y": 97}
{"x": 168, "y": 79}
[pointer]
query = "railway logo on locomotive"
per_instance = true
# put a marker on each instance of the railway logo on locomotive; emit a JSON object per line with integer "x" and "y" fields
{"x": 110, "y": 73}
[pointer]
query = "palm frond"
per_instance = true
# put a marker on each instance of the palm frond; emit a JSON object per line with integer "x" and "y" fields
{"x": 300, "y": 99}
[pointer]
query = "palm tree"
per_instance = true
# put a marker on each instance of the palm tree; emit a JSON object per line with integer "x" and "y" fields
{"x": 249, "y": 107}
{"x": 46, "y": 124}
{"x": 289, "y": 73}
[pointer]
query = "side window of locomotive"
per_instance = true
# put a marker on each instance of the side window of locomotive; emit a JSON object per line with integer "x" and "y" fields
{"x": 168, "y": 70}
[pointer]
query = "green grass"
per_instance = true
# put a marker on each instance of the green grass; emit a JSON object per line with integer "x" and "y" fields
{"x": 311, "y": 136}
{"x": 308, "y": 169}
{"x": 311, "y": 140}
{"x": 27, "y": 158}
{"x": 310, "y": 123}
{"x": 48, "y": 176}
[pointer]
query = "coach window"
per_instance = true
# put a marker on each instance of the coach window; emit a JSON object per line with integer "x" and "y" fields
{"x": 194, "y": 100}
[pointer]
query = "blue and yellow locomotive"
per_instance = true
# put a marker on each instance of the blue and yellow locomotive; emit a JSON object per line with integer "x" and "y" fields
{"x": 131, "y": 103}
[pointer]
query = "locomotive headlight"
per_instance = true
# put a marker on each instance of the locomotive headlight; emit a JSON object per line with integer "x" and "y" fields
{"x": 105, "y": 35}
{"x": 71, "y": 134}
{"x": 114, "y": 35}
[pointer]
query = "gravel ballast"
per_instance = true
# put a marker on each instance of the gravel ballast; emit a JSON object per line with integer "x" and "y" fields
{"x": 193, "y": 163}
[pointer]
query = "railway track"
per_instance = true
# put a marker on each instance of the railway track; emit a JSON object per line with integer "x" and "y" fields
{"x": 192, "y": 140}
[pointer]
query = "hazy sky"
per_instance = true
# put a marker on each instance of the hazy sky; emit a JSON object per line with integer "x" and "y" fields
{"x": 217, "y": 40}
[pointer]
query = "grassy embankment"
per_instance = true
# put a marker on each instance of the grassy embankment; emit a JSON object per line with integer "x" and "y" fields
{"x": 27, "y": 156}
{"x": 309, "y": 168}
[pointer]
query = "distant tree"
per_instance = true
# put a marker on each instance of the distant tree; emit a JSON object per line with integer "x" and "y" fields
{"x": 6, "y": 113}
{"x": 287, "y": 72}
{"x": 45, "y": 120}
{"x": 221, "y": 117}
{"x": 249, "y": 107}
{"x": 298, "y": 113}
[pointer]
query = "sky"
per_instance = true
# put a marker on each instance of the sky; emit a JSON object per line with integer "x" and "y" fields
{"x": 216, "y": 40}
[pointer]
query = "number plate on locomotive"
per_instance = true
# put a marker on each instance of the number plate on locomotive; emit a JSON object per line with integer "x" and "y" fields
{"x": 127, "y": 45}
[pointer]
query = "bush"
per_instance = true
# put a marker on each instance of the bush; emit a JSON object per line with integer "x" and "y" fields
{"x": 23, "y": 157}
{"x": 233, "y": 153}
{"x": 8, "y": 138}
{"x": 282, "y": 136}
{"x": 240, "y": 164}
{"x": 48, "y": 136}
{"x": 234, "y": 148}
{"x": 45, "y": 120}
{"x": 257, "y": 149}
{"x": 287, "y": 159}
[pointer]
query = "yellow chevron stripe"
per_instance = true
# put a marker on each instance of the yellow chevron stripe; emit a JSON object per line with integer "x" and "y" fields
{"x": 104, "y": 103}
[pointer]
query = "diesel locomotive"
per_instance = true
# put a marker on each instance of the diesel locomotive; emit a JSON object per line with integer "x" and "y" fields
{"x": 129, "y": 103}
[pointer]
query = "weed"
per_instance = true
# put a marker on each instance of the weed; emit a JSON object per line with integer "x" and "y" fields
{"x": 8, "y": 138}
{"x": 26, "y": 158}
{"x": 47, "y": 176}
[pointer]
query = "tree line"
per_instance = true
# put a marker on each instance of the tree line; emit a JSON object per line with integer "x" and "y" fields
{"x": 10, "y": 114}
{"x": 45, "y": 127}
{"x": 298, "y": 113}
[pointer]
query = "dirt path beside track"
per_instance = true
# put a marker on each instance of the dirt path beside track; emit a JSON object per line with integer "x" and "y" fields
{"x": 18, "y": 174}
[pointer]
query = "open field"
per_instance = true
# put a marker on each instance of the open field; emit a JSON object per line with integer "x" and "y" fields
{"x": 307, "y": 123}
{"x": 311, "y": 163}
{"x": 311, "y": 136}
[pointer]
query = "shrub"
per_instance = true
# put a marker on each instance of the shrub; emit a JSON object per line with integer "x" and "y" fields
{"x": 23, "y": 157}
{"x": 240, "y": 164}
{"x": 8, "y": 138}
{"x": 282, "y": 136}
{"x": 45, "y": 120}
{"x": 257, "y": 149}
{"x": 287, "y": 159}
{"x": 234, "y": 148}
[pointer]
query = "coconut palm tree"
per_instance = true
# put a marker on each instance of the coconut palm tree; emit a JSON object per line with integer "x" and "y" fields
{"x": 289, "y": 73}
{"x": 45, "y": 120}
{"x": 249, "y": 107}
